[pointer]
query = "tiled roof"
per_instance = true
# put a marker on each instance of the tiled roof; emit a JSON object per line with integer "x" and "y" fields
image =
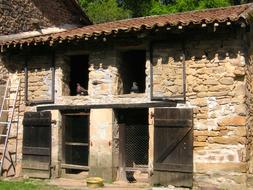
{"x": 75, "y": 7}
{"x": 219, "y": 15}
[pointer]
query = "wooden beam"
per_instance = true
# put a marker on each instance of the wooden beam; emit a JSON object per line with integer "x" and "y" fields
{"x": 102, "y": 106}
{"x": 76, "y": 144}
{"x": 72, "y": 166}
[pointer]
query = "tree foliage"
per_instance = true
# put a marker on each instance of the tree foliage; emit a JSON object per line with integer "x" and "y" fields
{"x": 104, "y": 10}
{"x": 110, "y": 10}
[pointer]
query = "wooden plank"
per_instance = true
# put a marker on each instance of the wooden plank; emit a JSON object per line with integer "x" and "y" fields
{"x": 36, "y": 151}
{"x": 72, "y": 166}
{"x": 174, "y": 113}
{"x": 42, "y": 122}
{"x": 173, "y": 152}
{"x": 128, "y": 169}
{"x": 121, "y": 174}
{"x": 76, "y": 144}
{"x": 37, "y": 114}
{"x": 173, "y": 145}
{"x": 172, "y": 122}
{"x": 187, "y": 168}
{"x": 81, "y": 113}
{"x": 37, "y": 144}
{"x": 37, "y": 119}
{"x": 100, "y": 106}
{"x": 172, "y": 178}
{"x": 35, "y": 165}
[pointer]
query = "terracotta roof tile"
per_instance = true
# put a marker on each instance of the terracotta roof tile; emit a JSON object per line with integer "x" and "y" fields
{"x": 220, "y": 15}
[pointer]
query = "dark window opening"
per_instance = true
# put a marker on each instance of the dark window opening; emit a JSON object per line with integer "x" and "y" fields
{"x": 76, "y": 142}
{"x": 132, "y": 70}
{"x": 79, "y": 73}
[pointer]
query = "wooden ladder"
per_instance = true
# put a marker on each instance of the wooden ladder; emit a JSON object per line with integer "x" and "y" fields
{"x": 8, "y": 109}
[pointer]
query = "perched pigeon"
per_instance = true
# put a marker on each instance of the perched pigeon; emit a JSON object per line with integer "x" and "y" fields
{"x": 96, "y": 82}
{"x": 134, "y": 88}
{"x": 81, "y": 90}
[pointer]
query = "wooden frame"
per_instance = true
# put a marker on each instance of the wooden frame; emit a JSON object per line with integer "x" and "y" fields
{"x": 37, "y": 157}
{"x": 167, "y": 98}
{"x": 35, "y": 102}
{"x": 65, "y": 165}
{"x": 122, "y": 156}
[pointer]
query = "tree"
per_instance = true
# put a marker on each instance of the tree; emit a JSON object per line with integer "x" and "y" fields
{"x": 185, "y": 5}
{"x": 110, "y": 10}
{"x": 104, "y": 10}
{"x": 137, "y": 7}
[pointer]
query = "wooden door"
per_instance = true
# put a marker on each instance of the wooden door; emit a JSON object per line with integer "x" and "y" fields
{"x": 173, "y": 147}
{"x": 37, "y": 144}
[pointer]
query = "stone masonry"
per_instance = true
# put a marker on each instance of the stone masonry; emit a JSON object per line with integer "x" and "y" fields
{"x": 218, "y": 87}
{"x": 27, "y": 15}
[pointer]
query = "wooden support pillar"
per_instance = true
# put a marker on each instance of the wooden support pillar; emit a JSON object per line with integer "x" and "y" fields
{"x": 122, "y": 152}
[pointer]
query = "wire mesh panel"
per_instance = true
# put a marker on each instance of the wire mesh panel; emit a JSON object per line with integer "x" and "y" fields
{"x": 137, "y": 142}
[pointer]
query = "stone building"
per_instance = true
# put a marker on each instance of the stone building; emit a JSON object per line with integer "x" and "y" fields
{"x": 34, "y": 17}
{"x": 187, "y": 123}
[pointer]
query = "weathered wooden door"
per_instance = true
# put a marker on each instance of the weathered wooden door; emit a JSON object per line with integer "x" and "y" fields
{"x": 173, "y": 147}
{"x": 37, "y": 144}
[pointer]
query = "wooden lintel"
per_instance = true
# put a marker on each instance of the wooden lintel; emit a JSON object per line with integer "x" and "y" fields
{"x": 102, "y": 106}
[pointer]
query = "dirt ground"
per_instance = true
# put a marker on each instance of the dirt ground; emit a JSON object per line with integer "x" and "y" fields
{"x": 77, "y": 184}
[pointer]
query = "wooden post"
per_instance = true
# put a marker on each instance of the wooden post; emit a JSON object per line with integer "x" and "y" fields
{"x": 122, "y": 153}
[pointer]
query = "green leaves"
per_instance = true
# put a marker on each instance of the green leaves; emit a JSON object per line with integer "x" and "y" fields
{"x": 185, "y": 5}
{"x": 104, "y": 10}
{"x": 213, "y": 3}
{"x": 110, "y": 10}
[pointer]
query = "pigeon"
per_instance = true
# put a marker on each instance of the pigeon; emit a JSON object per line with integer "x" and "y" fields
{"x": 81, "y": 90}
{"x": 96, "y": 82}
{"x": 134, "y": 88}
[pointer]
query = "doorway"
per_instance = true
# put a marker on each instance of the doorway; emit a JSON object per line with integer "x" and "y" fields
{"x": 134, "y": 132}
{"x": 75, "y": 142}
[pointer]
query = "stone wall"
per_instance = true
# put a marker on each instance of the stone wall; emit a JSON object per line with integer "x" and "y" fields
{"x": 39, "y": 78}
{"x": 249, "y": 103}
{"x": 103, "y": 74}
{"x": 167, "y": 70}
{"x": 39, "y": 88}
{"x": 26, "y": 15}
{"x": 216, "y": 89}
{"x": 3, "y": 78}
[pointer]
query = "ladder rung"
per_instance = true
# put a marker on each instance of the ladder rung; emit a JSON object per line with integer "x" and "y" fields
{"x": 1, "y": 135}
{"x": 7, "y": 110}
{"x": 9, "y": 98}
{"x": 8, "y": 122}
{"x": 13, "y": 137}
{"x": 12, "y": 86}
{"x": 4, "y": 123}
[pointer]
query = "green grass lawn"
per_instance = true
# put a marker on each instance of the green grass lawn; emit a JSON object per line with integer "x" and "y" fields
{"x": 26, "y": 185}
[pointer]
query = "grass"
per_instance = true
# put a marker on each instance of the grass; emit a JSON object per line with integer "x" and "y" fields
{"x": 26, "y": 185}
